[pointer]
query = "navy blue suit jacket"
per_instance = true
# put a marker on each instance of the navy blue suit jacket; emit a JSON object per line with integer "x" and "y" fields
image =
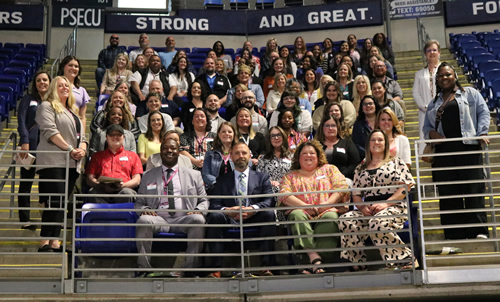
{"x": 258, "y": 183}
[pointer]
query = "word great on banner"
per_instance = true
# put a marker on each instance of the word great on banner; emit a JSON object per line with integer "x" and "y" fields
{"x": 331, "y": 16}
{"x": 21, "y": 17}
{"x": 410, "y": 9}
{"x": 472, "y": 12}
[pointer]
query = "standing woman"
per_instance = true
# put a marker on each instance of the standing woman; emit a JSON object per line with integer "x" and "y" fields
{"x": 424, "y": 86}
{"x": 365, "y": 53}
{"x": 266, "y": 60}
{"x": 197, "y": 141}
{"x": 149, "y": 143}
{"x": 274, "y": 96}
{"x": 380, "y": 41}
{"x": 60, "y": 130}
{"x": 217, "y": 161}
{"x": 464, "y": 114}
{"x": 299, "y": 50}
{"x": 245, "y": 133}
{"x": 286, "y": 121}
{"x": 352, "y": 41}
{"x": 320, "y": 59}
{"x": 344, "y": 77}
{"x": 311, "y": 86}
{"x": 181, "y": 79}
{"x": 70, "y": 68}
{"x": 29, "y": 136}
{"x": 361, "y": 88}
{"x": 398, "y": 143}
{"x": 290, "y": 66}
{"x": 339, "y": 151}
{"x": 119, "y": 72}
{"x": 365, "y": 123}
{"x": 218, "y": 47}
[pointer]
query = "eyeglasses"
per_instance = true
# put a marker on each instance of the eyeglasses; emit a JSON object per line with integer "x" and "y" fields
{"x": 330, "y": 126}
{"x": 276, "y": 136}
{"x": 247, "y": 98}
{"x": 380, "y": 66}
{"x": 115, "y": 38}
{"x": 368, "y": 104}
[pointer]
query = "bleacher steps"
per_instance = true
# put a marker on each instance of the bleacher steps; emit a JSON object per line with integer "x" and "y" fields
{"x": 48, "y": 265}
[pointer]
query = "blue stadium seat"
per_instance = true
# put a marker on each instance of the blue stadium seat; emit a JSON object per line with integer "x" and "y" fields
{"x": 9, "y": 93}
{"x": 2, "y": 67}
{"x": 4, "y": 108}
{"x": 474, "y": 61}
{"x": 494, "y": 98}
{"x": 34, "y": 52}
{"x": 41, "y": 47}
{"x": 186, "y": 49}
{"x": 13, "y": 82}
{"x": 159, "y": 49}
{"x": 29, "y": 67}
{"x": 15, "y": 46}
{"x": 456, "y": 37}
{"x": 466, "y": 52}
{"x": 28, "y": 58}
{"x": 130, "y": 48}
{"x": 264, "y": 4}
{"x": 489, "y": 37}
{"x": 18, "y": 73}
{"x": 8, "y": 52}
{"x": 213, "y": 4}
{"x": 487, "y": 78}
{"x": 492, "y": 44}
{"x": 238, "y": 4}
{"x": 203, "y": 50}
{"x": 102, "y": 246}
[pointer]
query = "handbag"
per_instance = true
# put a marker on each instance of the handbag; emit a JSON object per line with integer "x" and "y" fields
{"x": 430, "y": 148}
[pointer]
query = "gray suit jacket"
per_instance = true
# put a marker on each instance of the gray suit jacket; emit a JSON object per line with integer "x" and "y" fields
{"x": 52, "y": 123}
{"x": 191, "y": 184}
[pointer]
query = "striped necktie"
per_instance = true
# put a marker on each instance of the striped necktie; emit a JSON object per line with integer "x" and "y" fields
{"x": 242, "y": 188}
{"x": 170, "y": 192}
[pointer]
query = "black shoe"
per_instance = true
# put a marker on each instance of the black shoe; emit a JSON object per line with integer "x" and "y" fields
{"x": 45, "y": 249}
{"x": 30, "y": 227}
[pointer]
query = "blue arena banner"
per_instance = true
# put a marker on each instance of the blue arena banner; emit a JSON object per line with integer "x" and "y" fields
{"x": 21, "y": 17}
{"x": 84, "y": 17}
{"x": 410, "y": 9}
{"x": 471, "y": 12}
{"x": 253, "y": 22}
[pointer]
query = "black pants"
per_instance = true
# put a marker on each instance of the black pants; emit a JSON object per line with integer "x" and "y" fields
{"x": 221, "y": 218}
{"x": 55, "y": 201}
{"x": 25, "y": 187}
{"x": 460, "y": 203}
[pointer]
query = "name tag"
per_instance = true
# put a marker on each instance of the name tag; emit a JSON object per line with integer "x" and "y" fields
{"x": 287, "y": 161}
{"x": 320, "y": 177}
{"x": 33, "y": 103}
{"x": 269, "y": 86}
{"x": 191, "y": 109}
{"x": 220, "y": 83}
{"x": 341, "y": 150}
{"x": 151, "y": 186}
{"x": 76, "y": 91}
{"x": 123, "y": 158}
{"x": 293, "y": 147}
{"x": 302, "y": 107}
{"x": 164, "y": 105}
{"x": 209, "y": 140}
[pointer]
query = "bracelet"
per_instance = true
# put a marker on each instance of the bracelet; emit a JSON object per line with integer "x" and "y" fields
{"x": 70, "y": 148}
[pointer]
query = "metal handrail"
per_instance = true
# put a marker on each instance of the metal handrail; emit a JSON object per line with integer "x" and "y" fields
{"x": 423, "y": 36}
{"x": 68, "y": 49}
{"x": 11, "y": 171}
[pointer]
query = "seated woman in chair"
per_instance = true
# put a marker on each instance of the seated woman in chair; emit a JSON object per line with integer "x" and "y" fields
{"x": 378, "y": 170}
{"x": 311, "y": 172}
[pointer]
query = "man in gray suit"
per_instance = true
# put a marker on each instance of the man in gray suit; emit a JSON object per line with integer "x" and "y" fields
{"x": 171, "y": 180}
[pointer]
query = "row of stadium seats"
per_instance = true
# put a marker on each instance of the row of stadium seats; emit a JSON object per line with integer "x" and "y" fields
{"x": 18, "y": 64}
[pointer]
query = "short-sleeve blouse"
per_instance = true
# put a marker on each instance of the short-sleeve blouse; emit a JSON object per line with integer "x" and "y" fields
{"x": 276, "y": 168}
{"x": 392, "y": 172}
{"x": 325, "y": 178}
{"x": 81, "y": 96}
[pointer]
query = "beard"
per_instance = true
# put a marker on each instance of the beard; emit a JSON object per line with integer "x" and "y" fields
{"x": 241, "y": 163}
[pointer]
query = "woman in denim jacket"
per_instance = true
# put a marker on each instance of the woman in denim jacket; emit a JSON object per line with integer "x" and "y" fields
{"x": 464, "y": 114}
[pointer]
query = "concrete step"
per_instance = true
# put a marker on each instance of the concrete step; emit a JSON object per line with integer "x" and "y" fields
{"x": 43, "y": 265}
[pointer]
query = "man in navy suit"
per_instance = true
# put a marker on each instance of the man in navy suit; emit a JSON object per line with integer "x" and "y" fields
{"x": 242, "y": 181}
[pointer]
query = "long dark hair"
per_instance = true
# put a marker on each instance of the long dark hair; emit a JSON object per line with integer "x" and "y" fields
{"x": 34, "y": 90}
{"x": 64, "y": 62}
{"x": 337, "y": 89}
{"x": 285, "y": 149}
{"x": 361, "y": 114}
{"x": 177, "y": 71}
{"x": 296, "y": 109}
{"x": 222, "y": 50}
{"x": 385, "y": 88}
{"x": 315, "y": 82}
{"x": 381, "y": 46}
{"x": 208, "y": 127}
{"x": 149, "y": 133}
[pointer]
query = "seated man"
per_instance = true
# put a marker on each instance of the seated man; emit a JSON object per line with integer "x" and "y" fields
{"x": 172, "y": 180}
{"x": 248, "y": 101}
{"x": 114, "y": 162}
{"x": 141, "y": 79}
{"x": 241, "y": 181}
{"x": 212, "y": 104}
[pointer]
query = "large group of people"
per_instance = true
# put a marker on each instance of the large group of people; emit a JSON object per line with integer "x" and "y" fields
{"x": 290, "y": 121}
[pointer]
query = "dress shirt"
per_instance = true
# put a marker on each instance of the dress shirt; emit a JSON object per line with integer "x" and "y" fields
{"x": 122, "y": 164}
{"x": 136, "y": 77}
{"x": 176, "y": 181}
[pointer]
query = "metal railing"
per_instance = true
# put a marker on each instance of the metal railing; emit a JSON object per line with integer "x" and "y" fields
{"x": 285, "y": 253}
{"x": 466, "y": 251}
{"x": 423, "y": 36}
{"x": 68, "y": 49}
{"x": 41, "y": 272}
{"x": 11, "y": 171}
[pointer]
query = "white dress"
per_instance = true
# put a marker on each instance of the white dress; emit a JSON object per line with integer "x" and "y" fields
{"x": 424, "y": 91}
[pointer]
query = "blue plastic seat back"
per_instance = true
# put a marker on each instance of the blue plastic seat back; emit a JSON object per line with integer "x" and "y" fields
{"x": 186, "y": 49}
{"x": 489, "y": 77}
{"x": 493, "y": 44}
{"x": 7, "y": 92}
{"x": 41, "y": 47}
{"x": 19, "y": 74}
{"x": 4, "y": 112}
{"x": 15, "y": 46}
{"x": 203, "y": 50}
{"x": 8, "y": 52}
{"x": 125, "y": 232}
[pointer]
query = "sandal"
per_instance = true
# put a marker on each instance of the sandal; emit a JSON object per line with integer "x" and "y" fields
{"x": 307, "y": 271}
{"x": 317, "y": 270}
{"x": 410, "y": 265}
{"x": 357, "y": 268}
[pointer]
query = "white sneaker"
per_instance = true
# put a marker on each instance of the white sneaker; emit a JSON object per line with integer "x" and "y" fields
{"x": 482, "y": 236}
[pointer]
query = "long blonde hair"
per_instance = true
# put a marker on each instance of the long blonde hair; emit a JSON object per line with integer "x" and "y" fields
{"x": 53, "y": 97}
{"x": 114, "y": 69}
{"x": 356, "y": 99}
{"x": 251, "y": 132}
